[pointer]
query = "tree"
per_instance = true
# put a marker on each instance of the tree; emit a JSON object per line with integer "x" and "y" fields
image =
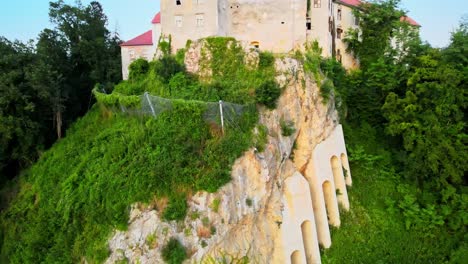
{"x": 93, "y": 52}
{"x": 20, "y": 128}
{"x": 43, "y": 89}
{"x": 378, "y": 23}
{"x": 430, "y": 120}
{"x": 48, "y": 75}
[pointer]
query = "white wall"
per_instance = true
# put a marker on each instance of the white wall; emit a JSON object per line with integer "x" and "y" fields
{"x": 189, "y": 11}
{"x": 131, "y": 53}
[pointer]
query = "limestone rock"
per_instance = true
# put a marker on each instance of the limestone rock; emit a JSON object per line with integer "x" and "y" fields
{"x": 256, "y": 215}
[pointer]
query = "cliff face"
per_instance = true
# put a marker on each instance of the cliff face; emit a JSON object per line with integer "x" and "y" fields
{"x": 259, "y": 213}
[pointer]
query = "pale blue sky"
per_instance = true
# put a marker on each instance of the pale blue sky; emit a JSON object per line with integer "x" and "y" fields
{"x": 24, "y": 19}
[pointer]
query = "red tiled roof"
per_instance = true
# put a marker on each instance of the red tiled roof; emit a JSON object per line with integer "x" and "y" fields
{"x": 409, "y": 20}
{"x": 355, "y": 3}
{"x": 142, "y": 40}
{"x": 157, "y": 19}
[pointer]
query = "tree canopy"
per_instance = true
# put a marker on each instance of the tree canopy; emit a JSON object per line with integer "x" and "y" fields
{"x": 46, "y": 86}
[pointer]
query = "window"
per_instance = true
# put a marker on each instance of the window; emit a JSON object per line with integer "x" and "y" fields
{"x": 317, "y": 3}
{"x": 330, "y": 24}
{"x": 338, "y": 55}
{"x": 200, "y": 20}
{"x": 339, "y": 32}
{"x": 309, "y": 24}
{"x": 178, "y": 21}
{"x": 338, "y": 14}
{"x": 255, "y": 44}
{"x": 178, "y": 2}
{"x": 356, "y": 21}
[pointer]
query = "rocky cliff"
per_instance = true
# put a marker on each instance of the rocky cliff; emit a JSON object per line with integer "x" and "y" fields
{"x": 245, "y": 218}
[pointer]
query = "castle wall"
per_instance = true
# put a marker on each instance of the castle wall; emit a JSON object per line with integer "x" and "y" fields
{"x": 192, "y": 19}
{"x": 277, "y": 25}
{"x": 346, "y": 23}
{"x": 320, "y": 14}
{"x": 156, "y": 35}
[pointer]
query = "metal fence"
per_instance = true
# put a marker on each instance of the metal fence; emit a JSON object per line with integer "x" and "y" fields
{"x": 222, "y": 113}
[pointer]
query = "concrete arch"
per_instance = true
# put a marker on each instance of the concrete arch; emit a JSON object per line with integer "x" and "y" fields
{"x": 296, "y": 258}
{"x": 298, "y": 209}
{"x": 339, "y": 181}
{"x": 331, "y": 204}
{"x": 346, "y": 169}
{"x": 309, "y": 237}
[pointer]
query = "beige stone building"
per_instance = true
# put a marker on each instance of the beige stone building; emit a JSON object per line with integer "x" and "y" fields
{"x": 274, "y": 25}
{"x": 142, "y": 46}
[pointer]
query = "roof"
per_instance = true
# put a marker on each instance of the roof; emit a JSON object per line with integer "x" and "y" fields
{"x": 157, "y": 19}
{"x": 354, "y": 3}
{"x": 409, "y": 20}
{"x": 142, "y": 40}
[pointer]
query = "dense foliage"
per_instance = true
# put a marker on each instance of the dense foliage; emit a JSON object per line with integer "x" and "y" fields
{"x": 79, "y": 191}
{"x": 46, "y": 86}
{"x": 83, "y": 187}
{"x": 412, "y": 98}
{"x": 174, "y": 252}
{"x": 224, "y": 75}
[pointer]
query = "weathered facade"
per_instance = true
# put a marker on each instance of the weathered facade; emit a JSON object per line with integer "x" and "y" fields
{"x": 144, "y": 46}
{"x": 274, "y": 25}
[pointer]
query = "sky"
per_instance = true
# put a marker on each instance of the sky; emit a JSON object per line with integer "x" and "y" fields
{"x": 24, "y": 19}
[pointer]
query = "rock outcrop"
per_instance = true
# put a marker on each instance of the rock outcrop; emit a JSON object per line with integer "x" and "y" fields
{"x": 255, "y": 215}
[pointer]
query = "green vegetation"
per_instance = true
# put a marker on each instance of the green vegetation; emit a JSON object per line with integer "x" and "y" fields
{"x": 268, "y": 93}
{"x": 376, "y": 229}
{"x": 174, "y": 252}
{"x": 405, "y": 124}
{"x": 261, "y": 138}
{"x": 248, "y": 202}
{"x": 287, "y": 128}
{"x": 230, "y": 79}
{"x": 107, "y": 163}
{"x": 215, "y": 205}
{"x": 78, "y": 192}
{"x": 46, "y": 85}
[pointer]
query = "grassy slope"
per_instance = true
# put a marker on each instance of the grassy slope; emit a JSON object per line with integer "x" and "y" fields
{"x": 83, "y": 187}
{"x": 374, "y": 231}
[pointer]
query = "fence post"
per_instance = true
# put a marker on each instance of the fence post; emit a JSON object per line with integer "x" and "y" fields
{"x": 222, "y": 116}
{"x": 150, "y": 104}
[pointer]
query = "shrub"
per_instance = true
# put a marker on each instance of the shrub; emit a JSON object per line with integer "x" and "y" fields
{"x": 261, "y": 138}
{"x": 165, "y": 47}
{"x": 174, "y": 252}
{"x": 215, "y": 205}
{"x": 249, "y": 202}
{"x": 267, "y": 94}
{"x": 287, "y": 128}
{"x": 266, "y": 59}
{"x": 177, "y": 208}
{"x": 326, "y": 90}
{"x": 138, "y": 68}
{"x": 180, "y": 55}
{"x": 167, "y": 67}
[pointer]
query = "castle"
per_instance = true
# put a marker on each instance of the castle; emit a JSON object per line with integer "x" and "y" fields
{"x": 274, "y": 25}
{"x": 320, "y": 176}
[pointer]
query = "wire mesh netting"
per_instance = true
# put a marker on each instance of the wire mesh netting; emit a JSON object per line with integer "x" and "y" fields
{"x": 221, "y": 113}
